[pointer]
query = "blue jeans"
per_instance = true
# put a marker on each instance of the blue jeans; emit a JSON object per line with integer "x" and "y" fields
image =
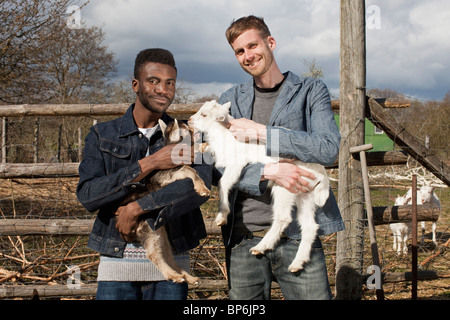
{"x": 155, "y": 290}
{"x": 250, "y": 277}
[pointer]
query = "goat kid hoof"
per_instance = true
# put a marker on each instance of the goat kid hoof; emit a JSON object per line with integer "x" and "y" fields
{"x": 295, "y": 268}
{"x": 178, "y": 280}
{"x": 204, "y": 192}
{"x": 256, "y": 252}
{"x": 220, "y": 221}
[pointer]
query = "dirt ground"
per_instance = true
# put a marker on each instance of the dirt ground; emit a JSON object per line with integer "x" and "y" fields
{"x": 55, "y": 197}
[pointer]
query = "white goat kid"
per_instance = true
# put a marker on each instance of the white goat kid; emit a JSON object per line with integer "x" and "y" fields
{"x": 402, "y": 230}
{"x": 427, "y": 195}
{"x": 233, "y": 155}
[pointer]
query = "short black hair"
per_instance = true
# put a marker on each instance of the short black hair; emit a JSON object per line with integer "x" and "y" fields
{"x": 156, "y": 55}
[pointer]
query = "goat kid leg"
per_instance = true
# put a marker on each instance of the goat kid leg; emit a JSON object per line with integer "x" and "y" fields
{"x": 199, "y": 184}
{"x": 434, "y": 233}
{"x": 309, "y": 227}
{"x": 283, "y": 202}
{"x": 405, "y": 241}
{"x": 167, "y": 177}
{"x": 395, "y": 237}
{"x": 159, "y": 252}
{"x": 229, "y": 178}
{"x": 422, "y": 238}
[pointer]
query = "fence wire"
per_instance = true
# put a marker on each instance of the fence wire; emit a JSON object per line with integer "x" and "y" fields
{"x": 47, "y": 260}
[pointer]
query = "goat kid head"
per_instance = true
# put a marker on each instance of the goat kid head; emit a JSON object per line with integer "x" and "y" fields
{"x": 210, "y": 112}
{"x": 176, "y": 132}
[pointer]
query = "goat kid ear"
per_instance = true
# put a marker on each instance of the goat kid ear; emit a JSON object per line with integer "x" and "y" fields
{"x": 162, "y": 125}
{"x": 227, "y": 106}
{"x": 175, "y": 134}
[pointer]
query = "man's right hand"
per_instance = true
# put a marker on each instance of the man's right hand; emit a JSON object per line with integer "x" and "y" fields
{"x": 288, "y": 176}
{"x": 168, "y": 157}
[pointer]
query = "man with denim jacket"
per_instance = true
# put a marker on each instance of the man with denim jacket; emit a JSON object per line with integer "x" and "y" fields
{"x": 118, "y": 155}
{"x": 293, "y": 117}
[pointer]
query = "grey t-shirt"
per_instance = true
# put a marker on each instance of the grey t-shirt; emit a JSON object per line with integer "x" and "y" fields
{"x": 255, "y": 213}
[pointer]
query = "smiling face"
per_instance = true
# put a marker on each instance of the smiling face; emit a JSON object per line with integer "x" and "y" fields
{"x": 254, "y": 53}
{"x": 155, "y": 87}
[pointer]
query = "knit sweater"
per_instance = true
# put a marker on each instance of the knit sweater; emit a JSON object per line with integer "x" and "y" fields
{"x": 135, "y": 266}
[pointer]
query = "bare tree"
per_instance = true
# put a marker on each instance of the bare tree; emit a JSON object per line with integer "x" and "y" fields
{"x": 20, "y": 24}
{"x": 42, "y": 60}
{"x": 314, "y": 70}
{"x": 78, "y": 66}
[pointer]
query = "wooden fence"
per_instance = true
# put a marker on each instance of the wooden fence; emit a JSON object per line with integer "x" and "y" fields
{"x": 82, "y": 227}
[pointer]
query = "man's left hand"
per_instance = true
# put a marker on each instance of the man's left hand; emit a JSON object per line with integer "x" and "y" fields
{"x": 128, "y": 220}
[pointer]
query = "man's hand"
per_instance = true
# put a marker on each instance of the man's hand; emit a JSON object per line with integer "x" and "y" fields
{"x": 168, "y": 157}
{"x": 248, "y": 130}
{"x": 128, "y": 220}
{"x": 288, "y": 176}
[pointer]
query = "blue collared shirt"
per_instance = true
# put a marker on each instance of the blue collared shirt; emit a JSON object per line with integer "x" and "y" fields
{"x": 301, "y": 126}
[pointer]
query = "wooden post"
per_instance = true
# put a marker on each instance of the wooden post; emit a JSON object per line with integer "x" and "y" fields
{"x": 36, "y": 141}
{"x": 58, "y": 155}
{"x": 80, "y": 145}
{"x": 4, "y": 138}
{"x": 350, "y": 242}
{"x": 414, "y": 239}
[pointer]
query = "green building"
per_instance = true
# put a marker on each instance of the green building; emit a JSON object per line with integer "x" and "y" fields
{"x": 374, "y": 136}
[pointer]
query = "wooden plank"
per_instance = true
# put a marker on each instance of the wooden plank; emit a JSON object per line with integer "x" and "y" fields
{"x": 38, "y": 170}
{"x": 70, "y": 169}
{"x": 59, "y": 227}
{"x": 409, "y": 143}
{"x": 47, "y": 291}
{"x": 393, "y": 214}
{"x": 55, "y": 227}
{"x": 379, "y": 158}
{"x": 29, "y": 110}
{"x": 90, "y": 289}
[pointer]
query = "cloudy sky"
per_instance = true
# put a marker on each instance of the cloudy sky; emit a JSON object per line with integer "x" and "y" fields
{"x": 408, "y": 41}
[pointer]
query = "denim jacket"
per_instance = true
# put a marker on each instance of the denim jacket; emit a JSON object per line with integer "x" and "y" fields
{"x": 110, "y": 164}
{"x": 302, "y": 126}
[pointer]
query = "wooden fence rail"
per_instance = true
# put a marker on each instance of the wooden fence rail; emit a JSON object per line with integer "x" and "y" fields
{"x": 58, "y": 227}
{"x": 70, "y": 169}
{"x": 180, "y": 110}
{"x": 90, "y": 289}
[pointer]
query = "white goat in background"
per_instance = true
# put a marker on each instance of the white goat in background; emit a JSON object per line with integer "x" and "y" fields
{"x": 233, "y": 155}
{"x": 402, "y": 230}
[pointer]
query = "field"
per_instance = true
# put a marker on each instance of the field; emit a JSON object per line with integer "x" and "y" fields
{"x": 32, "y": 260}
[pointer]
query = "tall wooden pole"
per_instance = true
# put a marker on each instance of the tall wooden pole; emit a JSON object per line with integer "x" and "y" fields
{"x": 350, "y": 242}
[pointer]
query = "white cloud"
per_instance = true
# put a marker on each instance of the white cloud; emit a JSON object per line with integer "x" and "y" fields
{"x": 408, "y": 53}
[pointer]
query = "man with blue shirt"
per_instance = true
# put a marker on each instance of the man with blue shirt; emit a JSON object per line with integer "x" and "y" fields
{"x": 293, "y": 117}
